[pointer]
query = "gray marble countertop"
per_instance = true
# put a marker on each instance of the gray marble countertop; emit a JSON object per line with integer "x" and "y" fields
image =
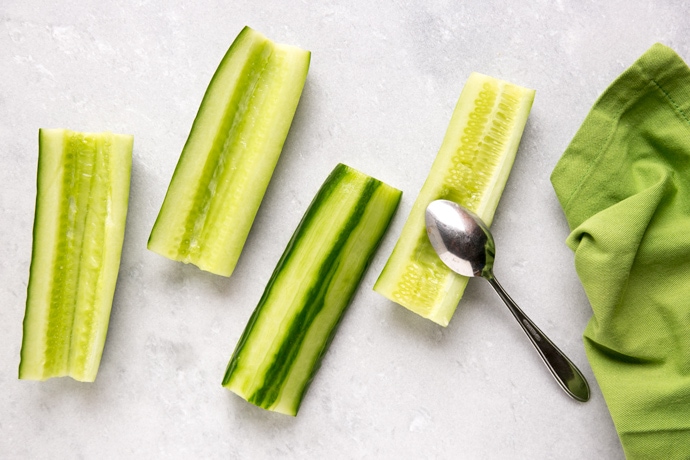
{"x": 383, "y": 81}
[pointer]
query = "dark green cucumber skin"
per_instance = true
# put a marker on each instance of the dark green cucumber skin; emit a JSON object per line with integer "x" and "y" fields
{"x": 40, "y": 185}
{"x": 274, "y": 377}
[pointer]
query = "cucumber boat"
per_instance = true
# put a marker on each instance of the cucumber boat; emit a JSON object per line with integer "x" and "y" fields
{"x": 81, "y": 208}
{"x": 471, "y": 168}
{"x": 230, "y": 154}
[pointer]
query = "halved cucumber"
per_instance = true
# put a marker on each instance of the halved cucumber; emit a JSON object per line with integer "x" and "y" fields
{"x": 231, "y": 152}
{"x": 81, "y": 207}
{"x": 471, "y": 168}
{"x": 289, "y": 332}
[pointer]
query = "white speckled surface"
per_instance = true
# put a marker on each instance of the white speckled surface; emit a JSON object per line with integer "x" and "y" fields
{"x": 383, "y": 81}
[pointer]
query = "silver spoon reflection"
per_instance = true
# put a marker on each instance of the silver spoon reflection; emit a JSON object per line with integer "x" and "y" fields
{"x": 464, "y": 243}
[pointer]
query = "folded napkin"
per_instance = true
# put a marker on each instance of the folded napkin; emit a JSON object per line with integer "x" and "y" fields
{"x": 624, "y": 184}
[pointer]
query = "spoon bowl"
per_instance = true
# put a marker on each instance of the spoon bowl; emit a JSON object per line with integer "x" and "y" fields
{"x": 465, "y": 244}
{"x": 460, "y": 238}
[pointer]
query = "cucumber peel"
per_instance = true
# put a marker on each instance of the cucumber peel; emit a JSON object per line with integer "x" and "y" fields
{"x": 81, "y": 207}
{"x": 288, "y": 333}
{"x": 471, "y": 168}
{"x": 230, "y": 154}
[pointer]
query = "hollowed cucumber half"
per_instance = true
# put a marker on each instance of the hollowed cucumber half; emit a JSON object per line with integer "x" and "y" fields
{"x": 288, "y": 333}
{"x": 471, "y": 168}
{"x": 230, "y": 154}
{"x": 81, "y": 207}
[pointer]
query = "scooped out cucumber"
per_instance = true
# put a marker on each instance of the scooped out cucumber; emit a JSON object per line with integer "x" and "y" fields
{"x": 471, "y": 168}
{"x": 230, "y": 154}
{"x": 81, "y": 207}
{"x": 288, "y": 333}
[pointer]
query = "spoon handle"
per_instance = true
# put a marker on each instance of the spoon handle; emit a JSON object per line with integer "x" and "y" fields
{"x": 566, "y": 373}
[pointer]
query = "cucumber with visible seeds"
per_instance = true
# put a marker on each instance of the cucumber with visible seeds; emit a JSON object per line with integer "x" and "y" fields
{"x": 288, "y": 333}
{"x": 231, "y": 152}
{"x": 81, "y": 207}
{"x": 471, "y": 168}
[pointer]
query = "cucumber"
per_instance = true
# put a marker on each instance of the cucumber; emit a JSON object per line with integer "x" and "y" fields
{"x": 471, "y": 168}
{"x": 81, "y": 207}
{"x": 230, "y": 154}
{"x": 288, "y": 333}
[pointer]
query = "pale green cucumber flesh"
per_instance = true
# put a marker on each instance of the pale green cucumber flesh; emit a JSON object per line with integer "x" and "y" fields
{"x": 230, "y": 154}
{"x": 81, "y": 206}
{"x": 471, "y": 168}
{"x": 288, "y": 333}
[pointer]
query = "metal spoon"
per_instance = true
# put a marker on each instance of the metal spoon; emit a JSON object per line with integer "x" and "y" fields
{"x": 464, "y": 243}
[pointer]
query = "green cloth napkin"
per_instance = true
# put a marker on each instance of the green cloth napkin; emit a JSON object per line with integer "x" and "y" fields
{"x": 624, "y": 184}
